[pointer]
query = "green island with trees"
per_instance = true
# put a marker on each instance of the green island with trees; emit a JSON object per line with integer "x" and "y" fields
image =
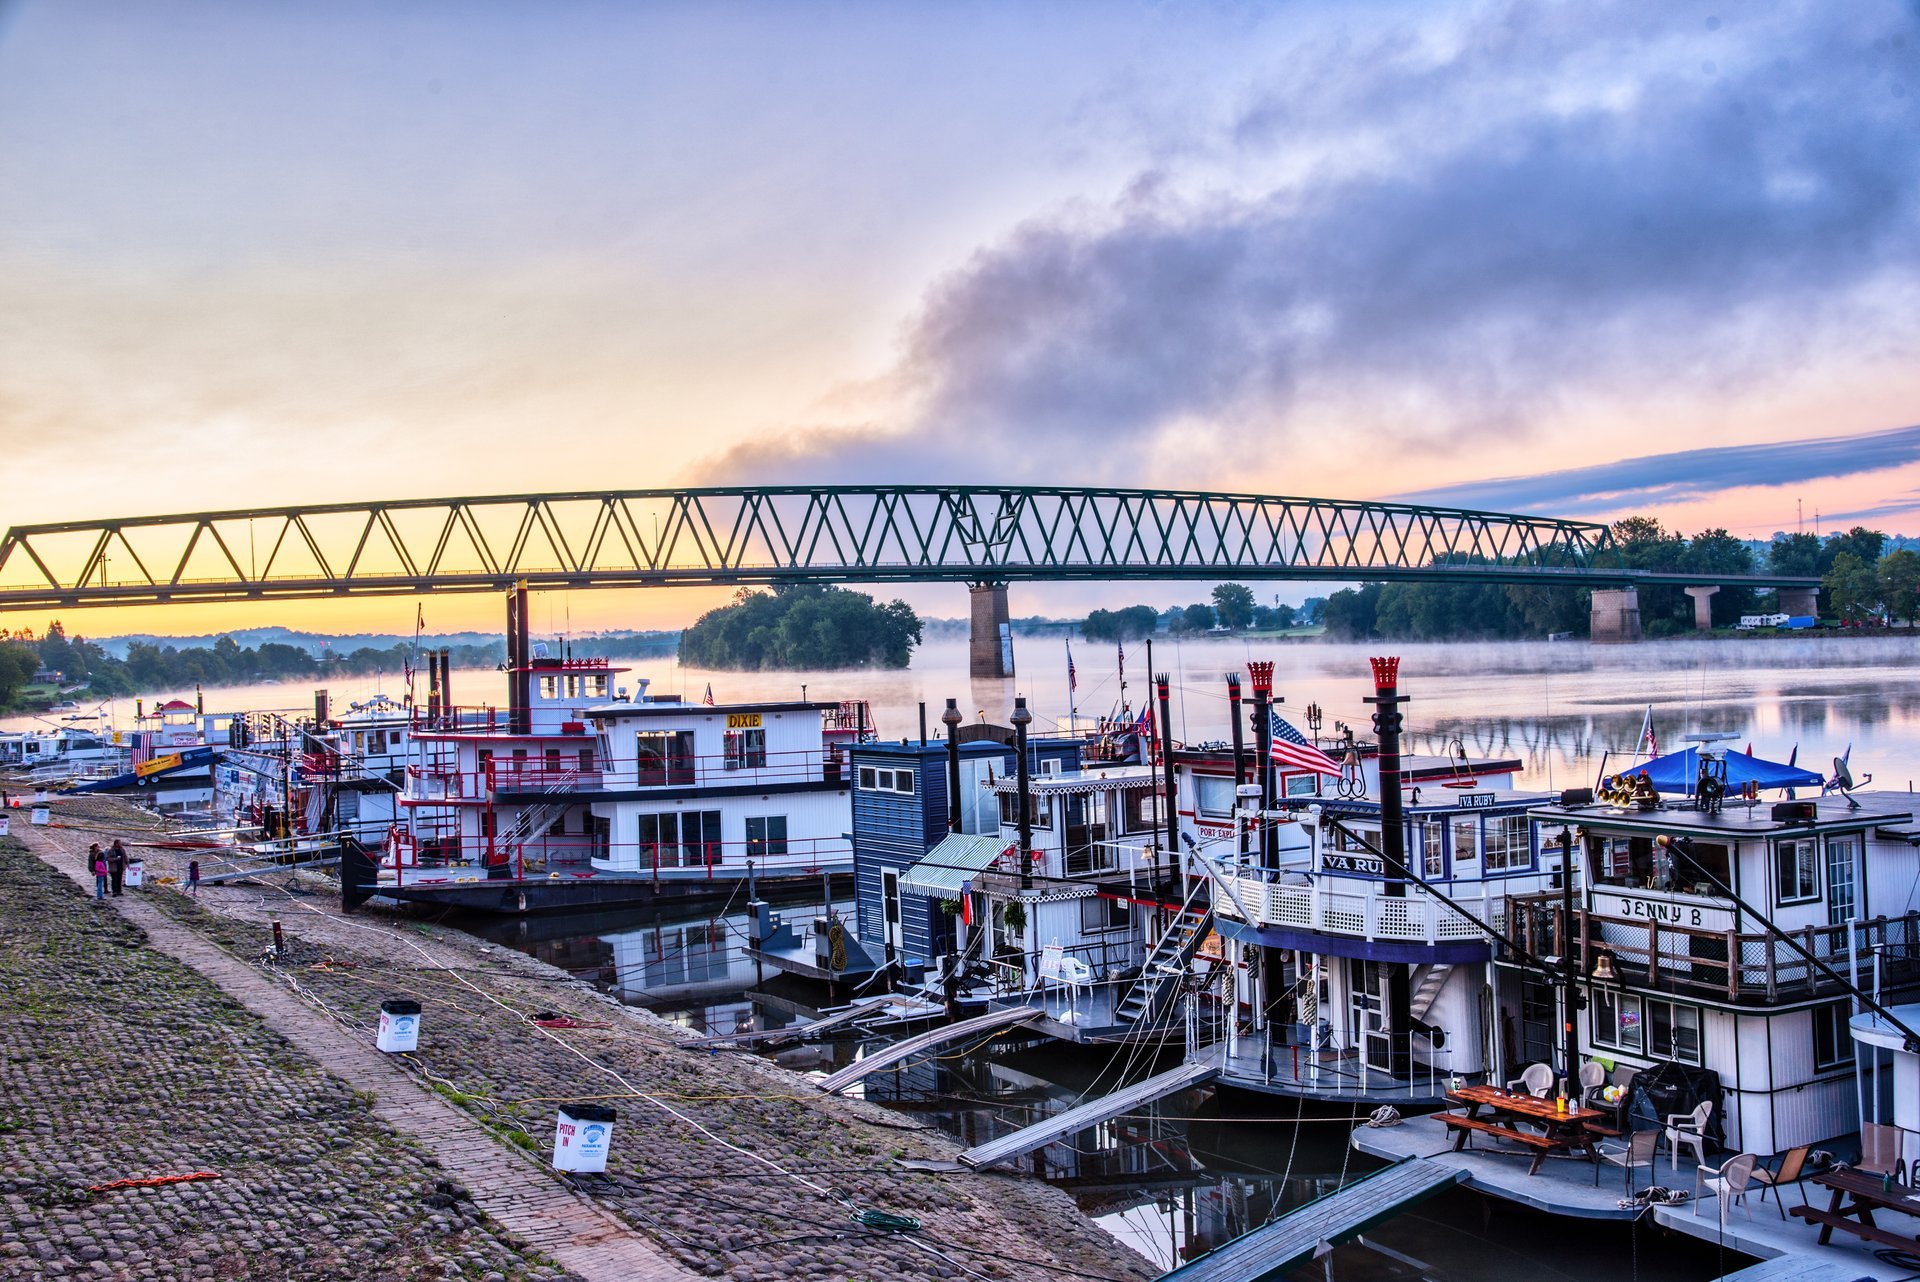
{"x": 800, "y": 626}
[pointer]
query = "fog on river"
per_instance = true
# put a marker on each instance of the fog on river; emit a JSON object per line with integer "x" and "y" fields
{"x": 1556, "y": 706}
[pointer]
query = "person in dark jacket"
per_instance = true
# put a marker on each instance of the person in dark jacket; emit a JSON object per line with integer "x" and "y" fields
{"x": 117, "y": 866}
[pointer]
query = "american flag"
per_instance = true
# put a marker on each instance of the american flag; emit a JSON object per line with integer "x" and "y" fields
{"x": 1647, "y": 739}
{"x": 709, "y": 699}
{"x": 1291, "y": 748}
{"x": 1073, "y": 678}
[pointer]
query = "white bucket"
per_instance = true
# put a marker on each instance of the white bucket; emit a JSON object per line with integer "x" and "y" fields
{"x": 41, "y": 816}
{"x": 399, "y": 1026}
{"x": 582, "y": 1138}
{"x": 5, "y": 822}
{"x": 136, "y": 873}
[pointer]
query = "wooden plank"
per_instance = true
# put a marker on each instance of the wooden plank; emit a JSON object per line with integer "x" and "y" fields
{"x": 1080, "y": 1117}
{"x": 912, "y": 1046}
{"x": 1798, "y": 1267}
{"x": 1340, "y": 1216}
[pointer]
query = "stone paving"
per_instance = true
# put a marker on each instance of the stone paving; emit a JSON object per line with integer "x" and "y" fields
{"x": 121, "y": 1063}
{"x": 736, "y": 1167}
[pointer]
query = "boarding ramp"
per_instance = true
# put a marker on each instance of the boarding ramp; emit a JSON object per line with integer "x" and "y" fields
{"x": 907, "y": 1049}
{"x": 1284, "y": 1244}
{"x": 1091, "y": 1113}
{"x": 864, "y": 1009}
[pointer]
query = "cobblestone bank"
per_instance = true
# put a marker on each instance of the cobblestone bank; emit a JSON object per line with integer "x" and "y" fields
{"x": 117, "y": 1062}
{"x": 739, "y": 1168}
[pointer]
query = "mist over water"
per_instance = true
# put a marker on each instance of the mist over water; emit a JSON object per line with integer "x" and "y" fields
{"x": 1557, "y": 707}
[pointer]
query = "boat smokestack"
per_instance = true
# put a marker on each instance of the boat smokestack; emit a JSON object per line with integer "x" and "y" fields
{"x": 950, "y": 718}
{"x": 1023, "y": 781}
{"x": 1261, "y": 673}
{"x": 1387, "y": 722}
{"x": 519, "y": 657}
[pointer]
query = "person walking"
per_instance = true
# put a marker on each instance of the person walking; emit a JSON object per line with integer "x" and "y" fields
{"x": 97, "y": 865}
{"x": 117, "y": 866}
{"x": 193, "y": 878}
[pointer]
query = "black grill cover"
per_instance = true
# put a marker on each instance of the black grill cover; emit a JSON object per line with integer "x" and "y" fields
{"x": 1667, "y": 1088}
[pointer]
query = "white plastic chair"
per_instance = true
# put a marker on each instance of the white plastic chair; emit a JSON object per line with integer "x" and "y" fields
{"x": 1688, "y": 1128}
{"x": 1729, "y": 1183}
{"x": 1593, "y": 1079}
{"x": 1536, "y": 1079}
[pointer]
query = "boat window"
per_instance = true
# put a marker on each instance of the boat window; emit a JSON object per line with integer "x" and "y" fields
{"x": 1832, "y": 1037}
{"x": 867, "y": 779}
{"x": 766, "y": 835}
{"x": 1098, "y": 912}
{"x": 549, "y": 687}
{"x": 1796, "y": 865}
{"x": 597, "y": 685}
{"x": 1840, "y": 879}
{"x": 665, "y": 757}
{"x": 1466, "y": 835}
{"x": 1426, "y": 837}
{"x": 1303, "y": 785}
{"x": 1214, "y": 793}
{"x": 746, "y": 749}
{"x": 1507, "y": 843}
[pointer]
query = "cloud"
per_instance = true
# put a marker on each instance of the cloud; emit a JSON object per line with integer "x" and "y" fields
{"x": 1656, "y": 479}
{"x": 1431, "y": 239}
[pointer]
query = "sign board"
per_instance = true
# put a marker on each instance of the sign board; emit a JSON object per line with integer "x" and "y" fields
{"x": 1351, "y": 861}
{"x": 743, "y": 721}
{"x": 1662, "y": 910}
{"x": 154, "y": 765}
{"x": 1476, "y": 800}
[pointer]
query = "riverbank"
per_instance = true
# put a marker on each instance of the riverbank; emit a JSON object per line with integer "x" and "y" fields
{"x": 723, "y": 1164}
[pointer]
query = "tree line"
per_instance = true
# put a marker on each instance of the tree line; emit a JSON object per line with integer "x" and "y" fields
{"x": 1232, "y": 608}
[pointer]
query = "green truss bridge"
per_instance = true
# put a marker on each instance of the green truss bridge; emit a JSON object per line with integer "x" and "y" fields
{"x": 982, "y": 535}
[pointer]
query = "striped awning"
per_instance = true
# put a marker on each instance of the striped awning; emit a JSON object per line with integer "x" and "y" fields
{"x": 958, "y": 858}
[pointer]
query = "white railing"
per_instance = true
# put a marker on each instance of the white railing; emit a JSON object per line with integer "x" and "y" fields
{"x": 1360, "y": 909}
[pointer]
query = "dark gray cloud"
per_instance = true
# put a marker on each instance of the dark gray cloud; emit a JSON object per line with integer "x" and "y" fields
{"x": 1655, "y": 479}
{"x": 1545, "y": 204}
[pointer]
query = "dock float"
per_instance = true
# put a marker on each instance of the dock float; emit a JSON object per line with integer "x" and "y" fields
{"x": 1797, "y": 1268}
{"x": 914, "y": 1045}
{"x": 1079, "y": 1118}
{"x": 1296, "y": 1237}
{"x": 865, "y": 1008}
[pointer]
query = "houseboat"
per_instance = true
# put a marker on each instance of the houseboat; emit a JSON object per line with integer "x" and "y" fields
{"x": 170, "y": 756}
{"x": 1725, "y": 939}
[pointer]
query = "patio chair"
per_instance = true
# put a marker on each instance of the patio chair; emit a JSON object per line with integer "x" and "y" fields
{"x": 1728, "y": 1181}
{"x": 1641, "y": 1149}
{"x": 1792, "y": 1170}
{"x": 1880, "y": 1151}
{"x": 1688, "y": 1128}
{"x": 1593, "y": 1080}
{"x": 1536, "y": 1079}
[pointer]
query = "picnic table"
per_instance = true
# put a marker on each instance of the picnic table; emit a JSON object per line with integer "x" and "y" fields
{"x": 1507, "y": 1110}
{"x": 1856, "y": 1217}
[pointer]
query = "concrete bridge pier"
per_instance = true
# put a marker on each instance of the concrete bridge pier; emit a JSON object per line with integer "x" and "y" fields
{"x": 1801, "y": 603}
{"x": 990, "y": 652}
{"x": 1616, "y": 615}
{"x": 1702, "y": 607}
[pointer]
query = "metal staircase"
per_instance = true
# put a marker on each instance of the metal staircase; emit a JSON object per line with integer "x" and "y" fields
{"x": 532, "y": 820}
{"x": 1428, "y": 989}
{"x": 1167, "y": 962}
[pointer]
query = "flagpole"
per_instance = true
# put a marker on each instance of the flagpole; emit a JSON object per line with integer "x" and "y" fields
{"x": 1073, "y": 712}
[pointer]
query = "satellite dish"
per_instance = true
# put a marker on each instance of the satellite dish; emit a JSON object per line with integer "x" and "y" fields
{"x": 1842, "y": 775}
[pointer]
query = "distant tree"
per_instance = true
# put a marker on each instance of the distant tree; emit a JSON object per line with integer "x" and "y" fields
{"x": 1130, "y": 623}
{"x": 1313, "y": 610}
{"x": 1716, "y": 555}
{"x": 1350, "y": 613}
{"x": 1899, "y": 575}
{"x": 1863, "y": 543}
{"x": 1233, "y": 605}
{"x": 18, "y": 662}
{"x": 1172, "y": 619}
{"x": 803, "y": 626}
{"x": 1198, "y": 617}
{"x": 1795, "y": 554}
{"x": 1853, "y": 587}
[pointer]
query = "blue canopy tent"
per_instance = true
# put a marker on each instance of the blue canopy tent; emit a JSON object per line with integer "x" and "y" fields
{"x": 1680, "y": 771}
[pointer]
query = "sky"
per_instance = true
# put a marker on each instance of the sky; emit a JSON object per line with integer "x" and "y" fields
{"x": 1578, "y": 259}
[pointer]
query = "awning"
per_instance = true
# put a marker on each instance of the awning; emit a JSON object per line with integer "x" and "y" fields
{"x": 1677, "y": 772}
{"x": 958, "y": 858}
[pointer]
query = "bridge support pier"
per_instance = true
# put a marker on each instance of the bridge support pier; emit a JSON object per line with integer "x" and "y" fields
{"x": 1801, "y": 603}
{"x": 1616, "y": 615}
{"x": 1702, "y": 607}
{"x": 990, "y": 652}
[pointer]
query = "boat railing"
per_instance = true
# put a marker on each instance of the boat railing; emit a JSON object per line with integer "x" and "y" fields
{"x": 1740, "y": 965}
{"x": 542, "y": 854}
{"x": 1345, "y": 906}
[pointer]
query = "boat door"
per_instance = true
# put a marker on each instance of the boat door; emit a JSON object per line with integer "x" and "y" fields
{"x": 1367, "y": 1013}
{"x": 890, "y": 909}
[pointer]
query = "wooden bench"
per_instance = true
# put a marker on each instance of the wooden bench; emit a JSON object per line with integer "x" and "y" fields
{"x": 1466, "y": 1124}
{"x": 1849, "y": 1224}
{"x": 1607, "y": 1131}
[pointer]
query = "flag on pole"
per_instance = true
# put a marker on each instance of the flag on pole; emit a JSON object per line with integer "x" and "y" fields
{"x": 1073, "y": 678}
{"x": 709, "y": 699}
{"x": 1291, "y": 748}
{"x": 1648, "y": 740}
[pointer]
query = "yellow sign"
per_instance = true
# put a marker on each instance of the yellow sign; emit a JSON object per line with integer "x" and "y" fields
{"x": 157, "y": 764}
{"x": 743, "y": 721}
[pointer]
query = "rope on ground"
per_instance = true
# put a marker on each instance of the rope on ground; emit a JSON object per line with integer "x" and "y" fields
{"x": 153, "y": 1181}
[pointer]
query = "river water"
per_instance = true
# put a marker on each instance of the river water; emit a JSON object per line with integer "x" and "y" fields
{"x": 1185, "y": 1176}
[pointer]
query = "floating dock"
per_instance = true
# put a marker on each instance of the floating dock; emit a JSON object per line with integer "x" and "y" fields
{"x": 1295, "y": 1238}
{"x": 907, "y": 1049}
{"x": 899, "y": 1005}
{"x": 1079, "y": 1118}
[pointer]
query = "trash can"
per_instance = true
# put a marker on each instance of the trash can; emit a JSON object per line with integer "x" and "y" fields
{"x": 581, "y": 1139}
{"x": 399, "y": 1026}
{"x": 5, "y": 821}
{"x": 40, "y": 816}
{"x": 136, "y": 872}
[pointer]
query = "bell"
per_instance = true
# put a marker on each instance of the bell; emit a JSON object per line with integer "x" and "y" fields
{"x": 1603, "y": 971}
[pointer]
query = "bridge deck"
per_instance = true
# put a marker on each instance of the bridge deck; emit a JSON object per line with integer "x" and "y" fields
{"x": 908, "y": 1048}
{"x": 1079, "y": 1118}
{"x": 1290, "y": 1241}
